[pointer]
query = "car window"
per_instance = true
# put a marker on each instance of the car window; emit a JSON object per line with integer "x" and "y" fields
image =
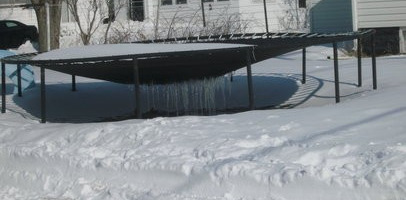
{"x": 11, "y": 24}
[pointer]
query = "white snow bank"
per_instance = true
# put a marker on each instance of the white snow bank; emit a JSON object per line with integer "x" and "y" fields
{"x": 319, "y": 150}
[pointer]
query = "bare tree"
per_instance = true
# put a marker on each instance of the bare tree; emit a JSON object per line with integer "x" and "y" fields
{"x": 126, "y": 31}
{"x": 186, "y": 24}
{"x": 90, "y": 15}
{"x": 87, "y": 26}
{"x": 114, "y": 8}
{"x": 294, "y": 18}
{"x": 227, "y": 23}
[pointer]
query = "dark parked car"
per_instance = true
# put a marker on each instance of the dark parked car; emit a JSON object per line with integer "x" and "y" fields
{"x": 13, "y": 34}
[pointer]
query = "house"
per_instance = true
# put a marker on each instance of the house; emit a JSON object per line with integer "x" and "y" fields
{"x": 387, "y": 17}
{"x": 10, "y": 9}
{"x": 249, "y": 14}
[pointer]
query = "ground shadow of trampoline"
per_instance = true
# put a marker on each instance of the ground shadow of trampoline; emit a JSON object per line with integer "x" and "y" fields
{"x": 106, "y": 101}
{"x": 9, "y": 88}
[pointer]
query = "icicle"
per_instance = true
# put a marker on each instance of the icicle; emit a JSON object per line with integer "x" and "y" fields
{"x": 185, "y": 98}
{"x": 202, "y": 97}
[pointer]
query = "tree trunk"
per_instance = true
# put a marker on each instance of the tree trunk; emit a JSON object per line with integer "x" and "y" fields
{"x": 55, "y": 22}
{"x": 86, "y": 29}
{"x": 40, "y": 11}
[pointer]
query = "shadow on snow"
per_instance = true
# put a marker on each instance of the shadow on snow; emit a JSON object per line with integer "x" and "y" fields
{"x": 106, "y": 101}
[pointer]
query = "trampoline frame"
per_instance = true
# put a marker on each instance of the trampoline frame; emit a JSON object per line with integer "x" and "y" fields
{"x": 233, "y": 38}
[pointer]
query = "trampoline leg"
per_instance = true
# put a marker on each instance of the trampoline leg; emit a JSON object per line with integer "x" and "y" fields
{"x": 336, "y": 77}
{"x": 43, "y": 97}
{"x": 250, "y": 87}
{"x": 3, "y": 87}
{"x": 266, "y": 20}
{"x": 137, "y": 89}
{"x": 73, "y": 83}
{"x": 20, "y": 93}
{"x": 373, "y": 62}
{"x": 359, "y": 54}
{"x": 304, "y": 66}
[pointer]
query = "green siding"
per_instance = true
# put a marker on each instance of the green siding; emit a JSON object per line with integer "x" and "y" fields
{"x": 331, "y": 16}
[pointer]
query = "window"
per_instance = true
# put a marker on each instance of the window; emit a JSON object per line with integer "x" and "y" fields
{"x": 302, "y": 3}
{"x": 208, "y": 0}
{"x": 166, "y": 2}
{"x": 11, "y": 24}
{"x": 181, "y": 1}
{"x": 137, "y": 10}
{"x": 111, "y": 10}
{"x": 222, "y": 0}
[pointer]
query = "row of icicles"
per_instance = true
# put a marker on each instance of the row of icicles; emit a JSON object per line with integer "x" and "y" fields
{"x": 196, "y": 97}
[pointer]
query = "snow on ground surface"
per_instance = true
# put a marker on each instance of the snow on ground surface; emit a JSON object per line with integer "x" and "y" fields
{"x": 317, "y": 150}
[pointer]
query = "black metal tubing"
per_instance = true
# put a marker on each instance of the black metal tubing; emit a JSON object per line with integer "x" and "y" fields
{"x": 137, "y": 89}
{"x": 16, "y": 60}
{"x": 218, "y": 38}
{"x": 20, "y": 93}
{"x": 304, "y": 66}
{"x": 203, "y": 14}
{"x": 336, "y": 75}
{"x": 374, "y": 79}
{"x": 320, "y": 39}
{"x": 43, "y": 96}
{"x": 277, "y": 37}
{"x": 73, "y": 83}
{"x": 249, "y": 79}
{"x": 359, "y": 55}
{"x": 3, "y": 87}
{"x": 19, "y": 59}
{"x": 266, "y": 19}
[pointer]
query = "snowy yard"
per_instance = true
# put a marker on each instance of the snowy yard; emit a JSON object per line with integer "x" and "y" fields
{"x": 317, "y": 150}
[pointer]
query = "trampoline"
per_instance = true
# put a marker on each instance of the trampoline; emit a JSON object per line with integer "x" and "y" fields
{"x": 269, "y": 45}
{"x": 180, "y": 59}
{"x": 158, "y": 63}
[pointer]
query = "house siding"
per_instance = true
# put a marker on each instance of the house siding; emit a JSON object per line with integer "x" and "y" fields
{"x": 192, "y": 9}
{"x": 381, "y": 13}
{"x": 248, "y": 12}
{"x": 252, "y": 12}
{"x": 331, "y": 16}
{"x": 26, "y": 16}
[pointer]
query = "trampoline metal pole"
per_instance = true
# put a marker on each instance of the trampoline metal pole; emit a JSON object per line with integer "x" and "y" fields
{"x": 249, "y": 78}
{"x": 137, "y": 89}
{"x": 374, "y": 79}
{"x": 266, "y": 19}
{"x": 203, "y": 14}
{"x": 3, "y": 87}
{"x": 304, "y": 66}
{"x": 19, "y": 80}
{"x": 336, "y": 75}
{"x": 359, "y": 54}
{"x": 73, "y": 83}
{"x": 43, "y": 96}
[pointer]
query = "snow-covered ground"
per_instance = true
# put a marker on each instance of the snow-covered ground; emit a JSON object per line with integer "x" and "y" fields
{"x": 316, "y": 150}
